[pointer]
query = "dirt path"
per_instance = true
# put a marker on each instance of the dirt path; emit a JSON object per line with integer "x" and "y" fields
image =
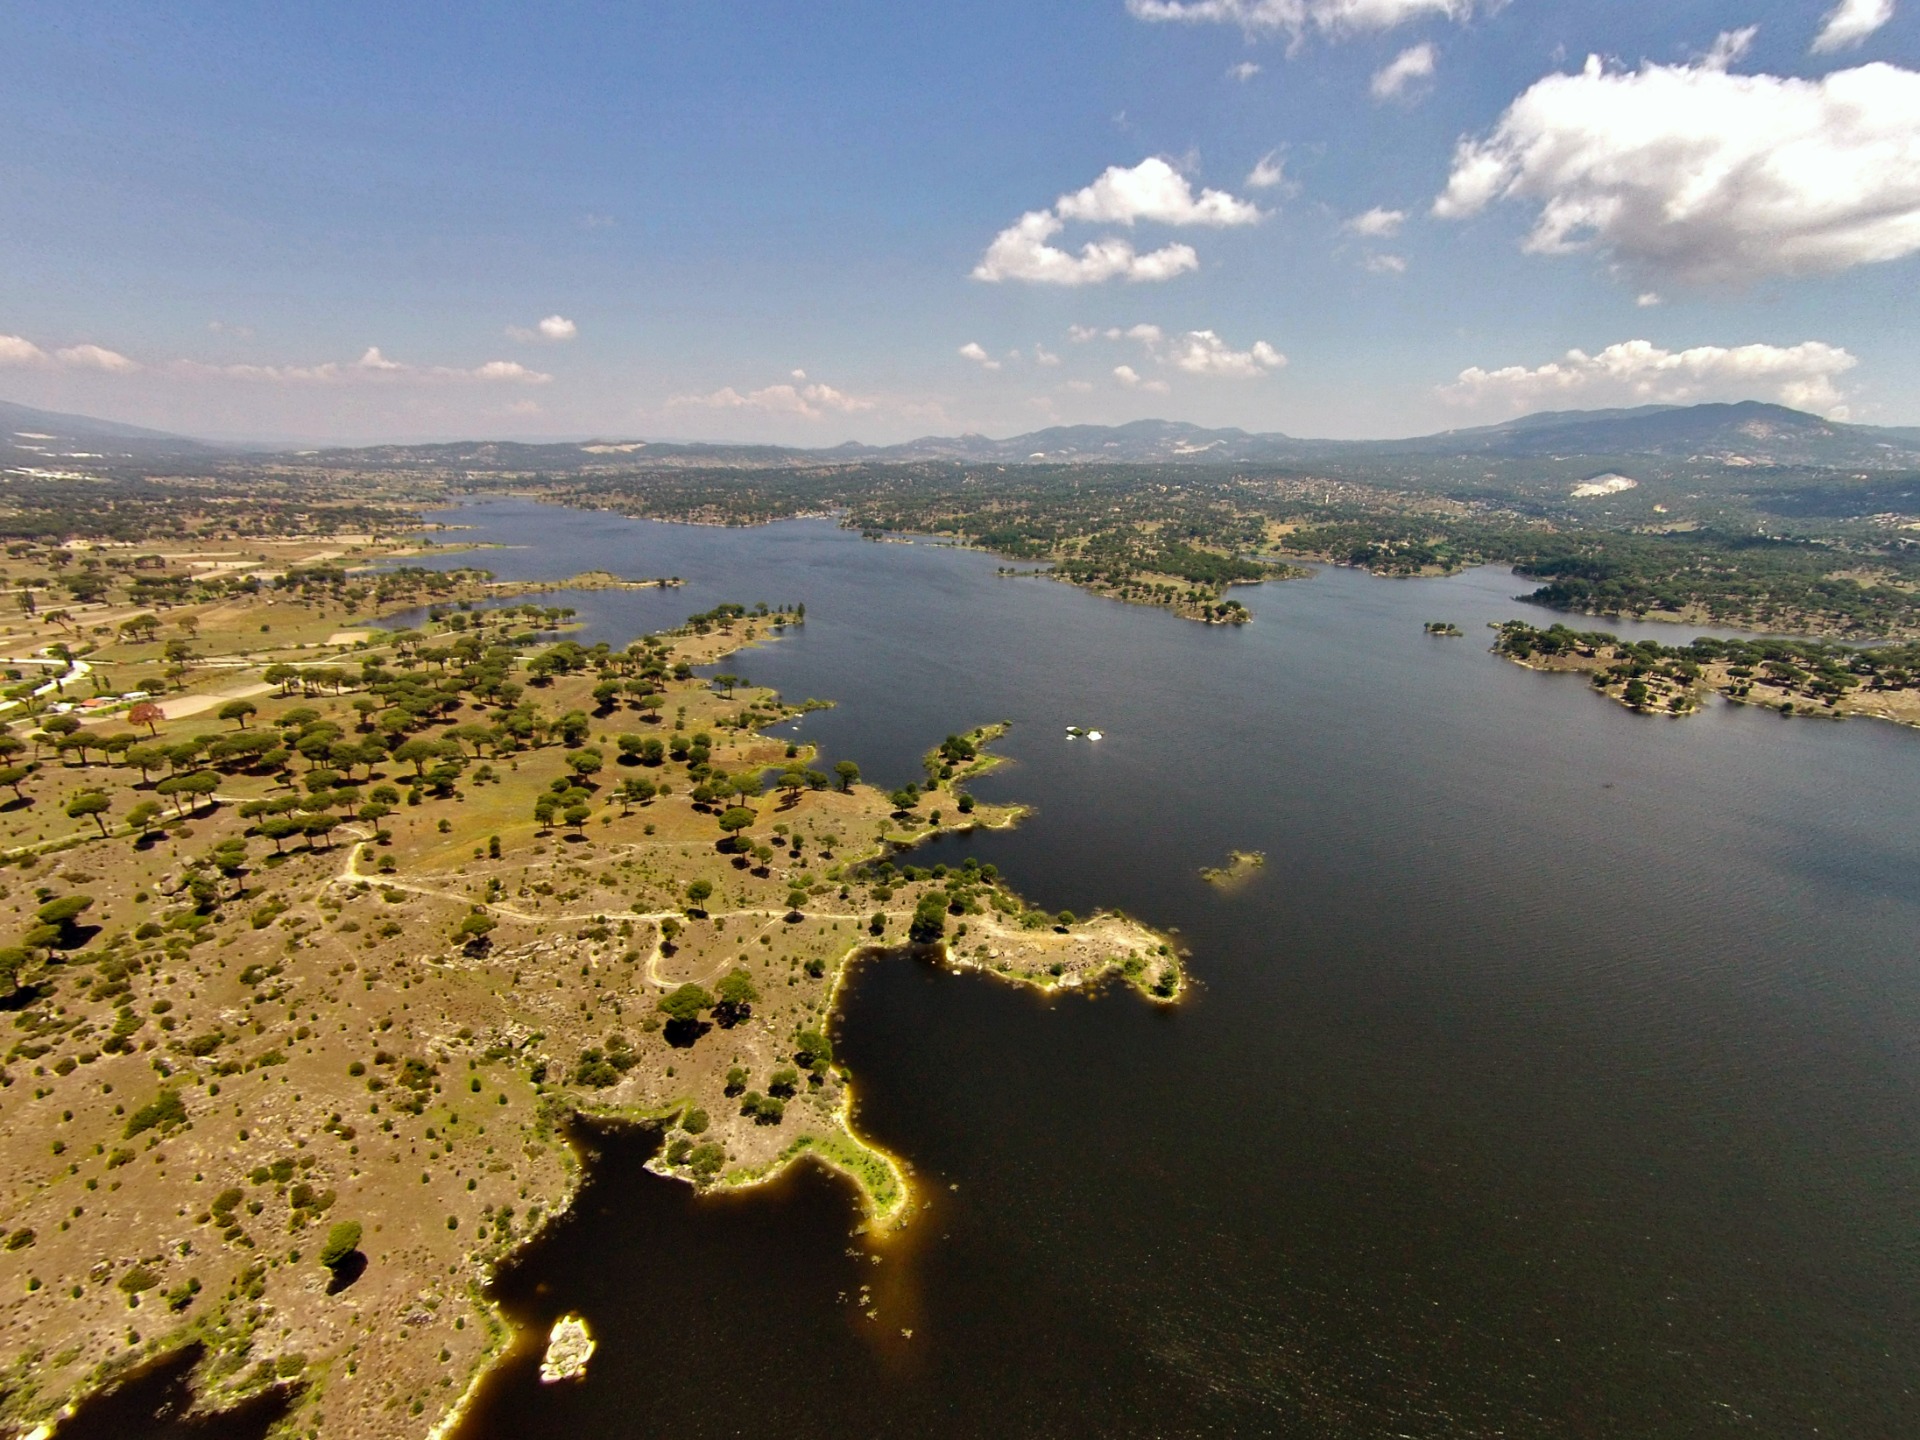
{"x": 352, "y": 874}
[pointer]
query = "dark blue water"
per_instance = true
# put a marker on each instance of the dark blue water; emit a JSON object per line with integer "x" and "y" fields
{"x": 1559, "y": 1075}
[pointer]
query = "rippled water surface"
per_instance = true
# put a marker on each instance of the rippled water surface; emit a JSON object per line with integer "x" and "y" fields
{"x": 1557, "y": 1076}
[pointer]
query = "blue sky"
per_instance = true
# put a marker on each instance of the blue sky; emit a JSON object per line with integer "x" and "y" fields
{"x": 805, "y": 222}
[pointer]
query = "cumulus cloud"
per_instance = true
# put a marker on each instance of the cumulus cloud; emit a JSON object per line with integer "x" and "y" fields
{"x": 506, "y": 370}
{"x": 18, "y": 350}
{"x": 1021, "y": 252}
{"x": 1130, "y": 378}
{"x": 1244, "y": 71}
{"x": 1850, "y": 22}
{"x": 1296, "y": 17}
{"x": 808, "y": 400}
{"x": 975, "y": 352}
{"x": 555, "y": 328}
{"x": 95, "y": 357}
{"x": 1385, "y": 264}
{"x": 1152, "y": 191}
{"x": 1413, "y": 64}
{"x": 1195, "y": 352}
{"x": 1377, "y": 223}
{"x": 1640, "y": 372}
{"x": 1707, "y": 176}
{"x": 1201, "y": 352}
{"x": 1044, "y": 356}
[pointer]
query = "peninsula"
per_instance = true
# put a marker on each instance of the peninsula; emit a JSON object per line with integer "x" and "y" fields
{"x": 319, "y": 934}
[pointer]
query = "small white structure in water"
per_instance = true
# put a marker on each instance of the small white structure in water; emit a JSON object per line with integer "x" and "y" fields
{"x": 1080, "y": 732}
{"x": 569, "y": 1347}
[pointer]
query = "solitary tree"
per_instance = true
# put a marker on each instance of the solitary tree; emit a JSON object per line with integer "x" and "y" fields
{"x": 849, "y": 774}
{"x": 142, "y": 816}
{"x": 737, "y": 819}
{"x": 683, "y": 1005}
{"x": 342, "y": 1241}
{"x": 238, "y": 711}
{"x": 92, "y": 804}
{"x": 737, "y": 995}
{"x": 148, "y": 714}
{"x": 474, "y": 929}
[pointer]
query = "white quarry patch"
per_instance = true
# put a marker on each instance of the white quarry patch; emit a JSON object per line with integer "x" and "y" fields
{"x": 1603, "y": 485}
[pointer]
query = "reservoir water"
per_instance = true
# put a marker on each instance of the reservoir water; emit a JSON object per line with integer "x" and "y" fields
{"x": 1558, "y": 1075}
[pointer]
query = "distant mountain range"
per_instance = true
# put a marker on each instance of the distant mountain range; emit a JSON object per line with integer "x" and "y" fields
{"x": 1744, "y": 434}
{"x": 50, "y": 439}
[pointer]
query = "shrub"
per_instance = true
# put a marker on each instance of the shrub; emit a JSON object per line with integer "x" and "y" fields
{"x": 165, "y": 1111}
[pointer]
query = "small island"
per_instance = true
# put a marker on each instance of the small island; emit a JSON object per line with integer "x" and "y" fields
{"x": 1792, "y": 677}
{"x": 1240, "y": 866}
{"x": 570, "y": 1345}
{"x": 1442, "y": 627}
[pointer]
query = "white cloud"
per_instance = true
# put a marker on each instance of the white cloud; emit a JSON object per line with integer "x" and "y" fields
{"x": 505, "y": 370}
{"x": 1044, "y": 356}
{"x": 555, "y": 328}
{"x": 1729, "y": 48}
{"x": 1152, "y": 190}
{"x": 1021, "y": 252}
{"x": 973, "y": 351}
{"x": 1850, "y": 22}
{"x": 94, "y": 357}
{"x": 1384, "y": 264}
{"x": 1377, "y": 223}
{"x": 1296, "y": 17}
{"x": 1707, "y": 176}
{"x": 1640, "y": 372}
{"x": 1130, "y": 378}
{"x": 372, "y": 367}
{"x": 1244, "y": 71}
{"x": 1196, "y": 352}
{"x": 809, "y": 401}
{"x": 1268, "y": 173}
{"x": 1647, "y": 299}
{"x": 1201, "y": 352}
{"x": 18, "y": 350}
{"x": 1391, "y": 80}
